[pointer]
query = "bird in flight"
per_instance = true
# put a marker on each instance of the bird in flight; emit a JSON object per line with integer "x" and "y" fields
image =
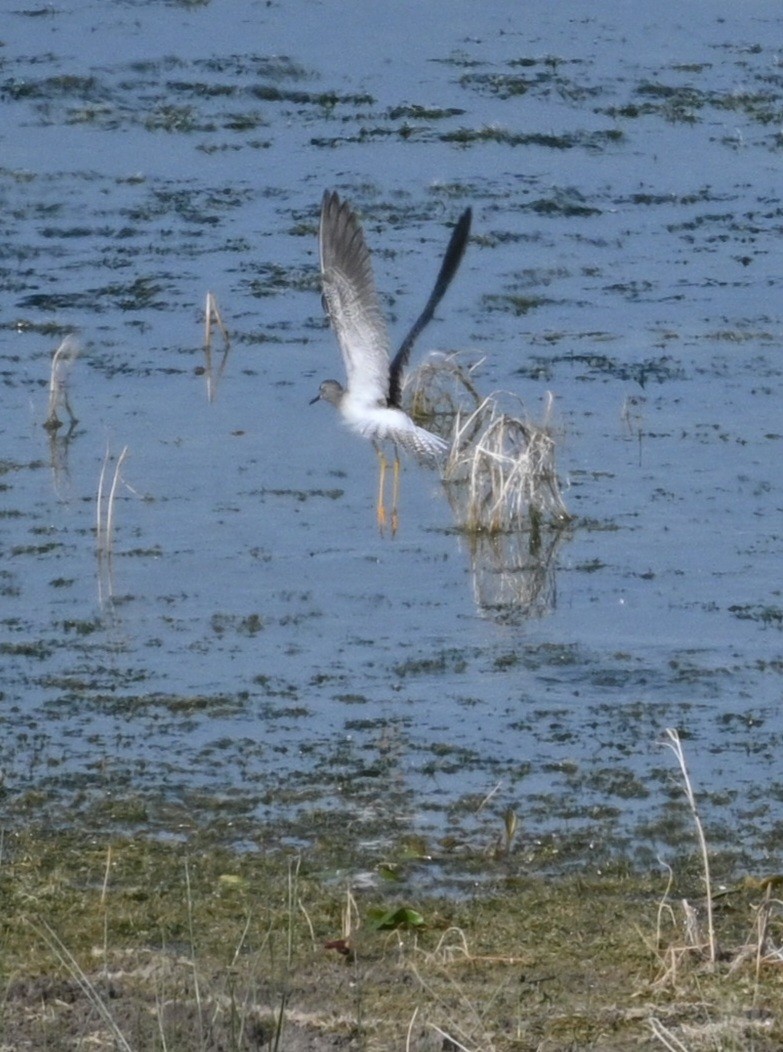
{"x": 370, "y": 403}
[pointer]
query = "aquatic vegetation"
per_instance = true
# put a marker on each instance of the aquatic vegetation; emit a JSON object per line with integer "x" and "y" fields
{"x": 500, "y": 473}
{"x": 62, "y": 363}
{"x": 105, "y": 508}
{"x": 214, "y": 319}
{"x": 765, "y": 614}
{"x": 594, "y": 140}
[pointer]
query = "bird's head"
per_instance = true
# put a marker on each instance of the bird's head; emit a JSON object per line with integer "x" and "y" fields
{"x": 329, "y": 391}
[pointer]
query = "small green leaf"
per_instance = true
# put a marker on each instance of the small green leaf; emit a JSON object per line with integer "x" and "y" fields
{"x": 391, "y": 920}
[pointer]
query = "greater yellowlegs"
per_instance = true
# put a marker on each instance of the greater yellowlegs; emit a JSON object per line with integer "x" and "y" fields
{"x": 370, "y": 404}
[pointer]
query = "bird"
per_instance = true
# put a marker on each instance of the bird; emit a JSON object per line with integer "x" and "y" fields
{"x": 370, "y": 402}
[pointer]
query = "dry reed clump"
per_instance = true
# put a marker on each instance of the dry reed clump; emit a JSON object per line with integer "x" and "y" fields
{"x": 500, "y": 473}
{"x": 438, "y": 389}
{"x": 503, "y": 469}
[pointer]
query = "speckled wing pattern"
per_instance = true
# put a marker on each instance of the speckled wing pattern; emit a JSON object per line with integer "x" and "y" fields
{"x": 352, "y": 302}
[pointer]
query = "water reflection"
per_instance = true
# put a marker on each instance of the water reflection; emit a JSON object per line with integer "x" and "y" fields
{"x": 502, "y": 486}
{"x": 59, "y": 448}
{"x": 514, "y": 573}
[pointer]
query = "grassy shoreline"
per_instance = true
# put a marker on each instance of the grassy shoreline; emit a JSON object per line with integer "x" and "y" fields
{"x": 141, "y": 944}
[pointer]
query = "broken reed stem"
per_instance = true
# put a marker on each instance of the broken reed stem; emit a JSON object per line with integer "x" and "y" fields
{"x": 104, "y": 527}
{"x": 208, "y": 321}
{"x": 675, "y": 745}
{"x": 212, "y": 316}
{"x": 49, "y": 936}
{"x": 410, "y": 1029}
{"x": 762, "y": 922}
{"x": 663, "y": 906}
{"x": 62, "y": 359}
{"x": 196, "y": 987}
{"x": 99, "y": 537}
{"x": 110, "y": 502}
{"x": 665, "y": 1036}
{"x": 212, "y": 313}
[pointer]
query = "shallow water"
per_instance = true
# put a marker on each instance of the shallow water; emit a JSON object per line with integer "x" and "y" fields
{"x": 256, "y": 659}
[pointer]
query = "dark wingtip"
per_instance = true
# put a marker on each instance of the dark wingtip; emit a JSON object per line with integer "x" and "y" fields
{"x": 455, "y": 250}
{"x": 464, "y": 223}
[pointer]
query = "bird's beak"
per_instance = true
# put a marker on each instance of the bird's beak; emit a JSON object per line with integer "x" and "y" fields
{"x": 316, "y": 399}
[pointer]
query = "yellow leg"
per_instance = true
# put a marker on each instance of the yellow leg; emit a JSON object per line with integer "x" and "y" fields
{"x": 395, "y": 517}
{"x": 381, "y": 510}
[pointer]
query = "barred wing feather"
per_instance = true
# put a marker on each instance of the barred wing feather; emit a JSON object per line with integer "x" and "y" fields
{"x": 352, "y": 302}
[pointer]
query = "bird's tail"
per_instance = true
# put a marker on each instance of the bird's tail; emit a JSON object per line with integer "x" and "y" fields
{"x": 427, "y": 446}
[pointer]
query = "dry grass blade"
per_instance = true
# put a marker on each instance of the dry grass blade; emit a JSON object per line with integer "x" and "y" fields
{"x": 410, "y": 1029}
{"x": 213, "y": 317}
{"x": 440, "y": 388}
{"x": 45, "y": 932}
{"x": 100, "y": 539}
{"x": 109, "y": 528}
{"x": 452, "y": 1041}
{"x": 500, "y": 472}
{"x": 759, "y": 946}
{"x": 504, "y": 471}
{"x": 196, "y": 986}
{"x": 104, "y": 520}
{"x": 675, "y": 745}
{"x": 666, "y": 1037}
{"x": 104, "y": 511}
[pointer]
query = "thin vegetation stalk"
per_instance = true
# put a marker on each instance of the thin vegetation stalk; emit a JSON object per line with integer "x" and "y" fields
{"x": 500, "y": 471}
{"x": 159, "y": 1017}
{"x": 293, "y": 895}
{"x": 212, "y": 316}
{"x": 99, "y": 534}
{"x": 62, "y": 360}
{"x": 410, "y": 1029}
{"x": 280, "y": 1021}
{"x": 109, "y": 533}
{"x": 675, "y": 745}
{"x": 666, "y": 1037}
{"x": 191, "y": 934}
{"x": 449, "y": 1041}
{"x": 50, "y": 937}
{"x": 293, "y": 877}
{"x": 664, "y": 906}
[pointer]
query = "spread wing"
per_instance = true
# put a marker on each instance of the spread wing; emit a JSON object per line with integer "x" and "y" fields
{"x": 455, "y": 250}
{"x": 351, "y": 301}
